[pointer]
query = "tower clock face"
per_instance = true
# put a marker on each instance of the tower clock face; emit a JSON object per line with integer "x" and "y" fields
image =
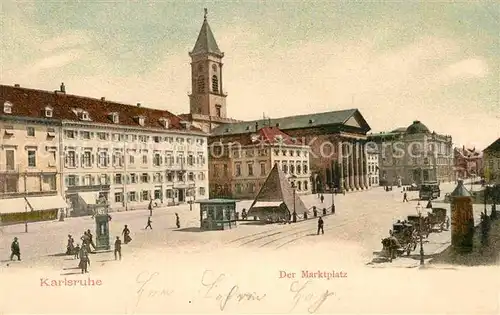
{"x": 200, "y": 67}
{"x": 214, "y": 67}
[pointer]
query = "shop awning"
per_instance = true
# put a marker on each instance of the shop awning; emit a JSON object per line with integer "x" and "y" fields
{"x": 264, "y": 204}
{"x": 46, "y": 202}
{"x": 13, "y": 205}
{"x": 90, "y": 198}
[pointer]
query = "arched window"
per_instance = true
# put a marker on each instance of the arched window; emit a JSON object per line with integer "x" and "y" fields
{"x": 299, "y": 185}
{"x": 305, "y": 185}
{"x": 215, "y": 84}
{"x": 298, "y": 169}
{"x": 292, "y": 169}
{"x": 285, "y": 168}
{"x": 201, "y": 84}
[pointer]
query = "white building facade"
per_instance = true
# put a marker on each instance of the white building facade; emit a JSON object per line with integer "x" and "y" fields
{"x": 373, "y": 167}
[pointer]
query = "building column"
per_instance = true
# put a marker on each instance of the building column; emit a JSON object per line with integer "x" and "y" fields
{"x": 362, "y": 172}
{"x": 356, "y": 166}
{"x": 340, "y": 160}
{"x": 345, "y": 168}
{"x": 351, "y": 167}
{"x": 365, "y": 167}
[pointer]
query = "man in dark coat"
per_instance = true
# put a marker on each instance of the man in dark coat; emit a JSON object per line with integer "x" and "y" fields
{"x": 149, "y": 224}
{"x": 91, "y": 238}
{"x": 15, "y": 249}
{"x": 315, "y": 212}
{"x": 177, "y": 221}
{"x": 118, "y": 248}
{"x": 84, "y": 260}
{"x": 322, "y": 198}
{"x": 320, "y": 226}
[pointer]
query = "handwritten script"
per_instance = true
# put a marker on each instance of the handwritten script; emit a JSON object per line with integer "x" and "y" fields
{"x": 147, "y": 286}
{"x": 216, "y": 288}
{"x": 307, "y": 294}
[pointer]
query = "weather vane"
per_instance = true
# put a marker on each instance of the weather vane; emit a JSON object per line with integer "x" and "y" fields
{"x": 206, "y": 12}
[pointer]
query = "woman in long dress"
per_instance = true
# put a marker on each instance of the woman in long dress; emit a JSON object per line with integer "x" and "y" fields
{"x": 126, "y": 235}
{"x": 84, "y": 260}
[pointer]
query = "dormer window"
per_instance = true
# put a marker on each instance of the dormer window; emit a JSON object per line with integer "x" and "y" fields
{"x": 115, "y": 118}
{"x": 165, "y": 122}
{"x": 7, "y": 108}
{"x": 48, "y": 112}
{"x": 84, "y": 115}
{"x": 140, "y": 120}
{"x": 186, "y": 125}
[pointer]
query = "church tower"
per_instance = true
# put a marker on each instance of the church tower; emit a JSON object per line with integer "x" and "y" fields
{"x": 207, "y": 96}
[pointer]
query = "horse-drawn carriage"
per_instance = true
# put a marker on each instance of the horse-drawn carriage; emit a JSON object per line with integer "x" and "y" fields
{"x": 435, "y": 220}
{"x": 402, "y": 240}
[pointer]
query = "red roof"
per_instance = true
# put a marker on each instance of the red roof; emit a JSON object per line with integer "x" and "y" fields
{"x": 272, "y": 135}
{"x": 32, "y": 103}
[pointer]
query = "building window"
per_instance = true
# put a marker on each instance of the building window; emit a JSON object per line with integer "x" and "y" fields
{"x": 131, "y": 159}
{"x": 305, "y": 168}
{"x": 157, "y": 159}
{"x": 115, "y": 118}
{"x": 144, "y": 178}
{"x": 169, "y": 193}
{"x": 292, "y": 168}
{"x": 7, "y": 107}
{"x": 157, "y": 194}
{"x": 144, "y": 159}
{"x": 50, "y": 181}
{"x": 145, "y": 195}
{"x": 191, "y": 176}
{"x": 218, "y": 112}
{"x": 118, "y": 197}
{"x": 71, "y": 159}
{"x": 299, "y": 185}
{"x": 238, "y": 188}
{"x": 133, "y": 178}
{"x": 71, "y": 180}
{"x": 85, "y": 116}
{"x": 250, "y": 169}
{"x": 238, "y": 169}
{"x": 190, "y": 160}
{"x": 70, "y": 134}
{"x": 87, "y": 180}
{"x": 118, "y": 179}
{"x": 262, "y": 169}
{"x": 201, "y": 84}
{"x": 103, "y": 158}
{"x": 102, "y": 136}
{"x": 87, "y": 159}
{"x": 201, "y": 191}
{"x": 298, "y": 169}
{"x": 85, "y": 135}
{"x": 30, "y": 131}
{"x": 305, "y": 185}
{"x": 156, "y": 139}
{"x": 180, "y": 176}
{"x": 170, "y": 177}
{"x": 285, "y": 168}
{"x": 215, "y": 84}
{"x": 132, "y": 196}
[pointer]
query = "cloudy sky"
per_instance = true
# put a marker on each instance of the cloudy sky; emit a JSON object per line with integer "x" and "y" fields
{"x": 397, "y": 62}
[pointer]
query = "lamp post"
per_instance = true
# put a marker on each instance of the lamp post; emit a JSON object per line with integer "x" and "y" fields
{"x": 333, "y": 198}
{"x": 419, "y": 212}
{"x": 294, "y": 214}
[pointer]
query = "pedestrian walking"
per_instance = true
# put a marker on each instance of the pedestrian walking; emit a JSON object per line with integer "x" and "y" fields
{"x": 294, "y": 217}
{"x": 305, "y": 215}
{"x": 315, "y": 212}
{"x": 91, "y": 239}
{"x": 15, "y": 249}
{"x": 149, "y": 224}
{"x": 405, "y": 197}
{"x": 84, "y": 260}
{"x": 76, "y": 253}
{"x": 322, "y": 198}
{"x": 244, "y": 214}
{"x": 126, "y": 235}
{"x": 177, "y": 221}
{"x": 324, "y": 211}
{"x": 70, "y": 247}
{"x": 150, "y": 207}
{"x": 320, "y": 226}
{"x": 118, "y": 248}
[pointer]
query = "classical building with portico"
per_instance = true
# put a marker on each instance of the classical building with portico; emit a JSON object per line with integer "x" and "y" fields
{"x": 336, "y": 139}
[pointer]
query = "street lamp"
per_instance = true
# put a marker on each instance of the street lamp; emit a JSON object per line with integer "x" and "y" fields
{"x": 419, "y": 212}
{"x": 333, "y": 199}
{"x": 294, "y": 214}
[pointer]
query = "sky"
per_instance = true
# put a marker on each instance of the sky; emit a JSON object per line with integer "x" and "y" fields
{"x": 437, "y": 62}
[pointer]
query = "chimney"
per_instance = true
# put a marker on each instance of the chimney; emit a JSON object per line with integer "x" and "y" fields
{"x": 138, "y": 104}
{"x": 103, "y": 98}
{"x": 63, "y": 88}
{"x": 17, "y": 85}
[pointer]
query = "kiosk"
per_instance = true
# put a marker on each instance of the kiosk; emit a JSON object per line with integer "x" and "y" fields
{"x": 102, "y": 226}
{"x": 217, "y": 214}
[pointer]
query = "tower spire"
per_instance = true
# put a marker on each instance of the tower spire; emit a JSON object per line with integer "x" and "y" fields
{"x": 206, "y": 44}
{"x": 205, "y": 16}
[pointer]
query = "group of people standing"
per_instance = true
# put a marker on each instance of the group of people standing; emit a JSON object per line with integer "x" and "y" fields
{"x": 81, "y": 253}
